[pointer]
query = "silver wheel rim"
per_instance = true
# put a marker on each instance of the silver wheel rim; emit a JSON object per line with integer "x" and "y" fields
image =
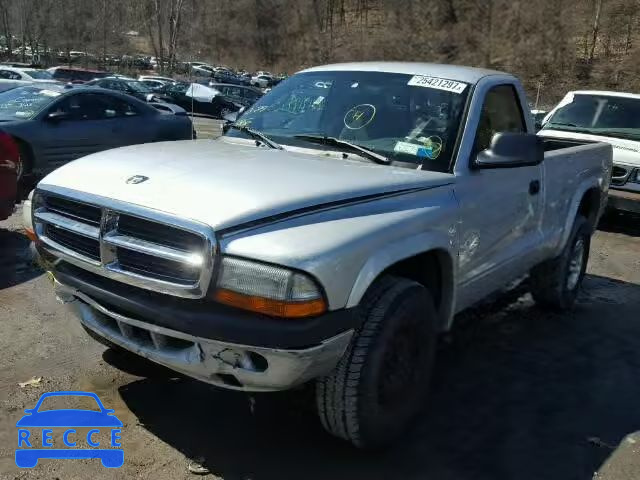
{"x": 575, "y": 264}
{"x": 19, "y": 168}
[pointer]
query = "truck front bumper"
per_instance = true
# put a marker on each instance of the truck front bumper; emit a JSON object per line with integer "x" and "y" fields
{"x": 229, "y": 365}
{"x": 624, "y": 200}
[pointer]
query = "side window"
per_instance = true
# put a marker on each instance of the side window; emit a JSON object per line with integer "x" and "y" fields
{"x": 8, "y": 74}
{"x": 501, "y": 112}
{"x": 178, "y": 89}
{"x": 251, "y": 95}
{"x": 95, "y": 107}
{"x": 120, "y": 108}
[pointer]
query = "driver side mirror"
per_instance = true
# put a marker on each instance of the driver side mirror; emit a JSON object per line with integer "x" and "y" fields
{"x": 511, "y": 150}
{"x": 56, "y": 117}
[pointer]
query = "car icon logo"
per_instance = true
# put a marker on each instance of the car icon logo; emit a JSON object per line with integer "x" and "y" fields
{"x": 101, "y": 422}
{"x": 136, "y": 179}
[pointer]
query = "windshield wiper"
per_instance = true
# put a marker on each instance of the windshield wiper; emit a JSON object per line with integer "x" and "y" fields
{"x": 562, "y": 124}
{"x": 256, "y": 135}
{"x": 336, "y": 142}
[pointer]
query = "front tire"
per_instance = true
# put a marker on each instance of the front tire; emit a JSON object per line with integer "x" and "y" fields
{"x": 382, "y": 380}
{"x": 555, "y": 283}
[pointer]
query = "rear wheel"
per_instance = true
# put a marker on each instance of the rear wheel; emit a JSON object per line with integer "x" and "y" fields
{"x": 555, "y": 283}
{"x": 382, "y": 380}
{"x": 25, "y": 163}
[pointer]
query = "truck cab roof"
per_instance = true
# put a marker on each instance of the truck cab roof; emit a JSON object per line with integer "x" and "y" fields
{"x": 455, "y": 72}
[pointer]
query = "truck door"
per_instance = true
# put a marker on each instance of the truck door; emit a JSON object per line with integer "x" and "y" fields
{"x": 500, "y": 207}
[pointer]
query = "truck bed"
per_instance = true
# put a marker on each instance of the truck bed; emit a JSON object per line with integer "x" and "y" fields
{"x": 559, "y": 143}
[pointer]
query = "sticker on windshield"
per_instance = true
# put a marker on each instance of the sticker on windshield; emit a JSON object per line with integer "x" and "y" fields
{"x": 406, "y": 147}
{"x": 430, "y": 148}
{"x": 26, "y": 114}
{"x": 359, "y": 116}
{"x": 437, "y": 83}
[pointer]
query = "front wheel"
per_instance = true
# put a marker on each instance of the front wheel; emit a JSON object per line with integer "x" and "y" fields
{"x": 382, "y": 380}
{"x": 555, "y": 283}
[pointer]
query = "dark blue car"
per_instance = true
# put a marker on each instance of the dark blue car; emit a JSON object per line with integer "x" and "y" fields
{"x": 54, "y": 124}
{"x": 102, "y": 418}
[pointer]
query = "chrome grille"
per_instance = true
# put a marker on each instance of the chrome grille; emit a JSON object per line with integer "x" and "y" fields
{"x": 121, "y": 242}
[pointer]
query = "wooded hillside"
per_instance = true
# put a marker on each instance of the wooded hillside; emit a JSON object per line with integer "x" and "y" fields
{"x": 554, "y": 44}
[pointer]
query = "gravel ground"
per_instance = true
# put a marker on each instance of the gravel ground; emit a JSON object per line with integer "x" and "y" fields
{"x": 519, "y": 393}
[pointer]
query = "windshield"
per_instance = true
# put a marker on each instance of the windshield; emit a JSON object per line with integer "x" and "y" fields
{"x": 406, "y": 118}
{"x": 139, "y": 87}
{"x": 40, "y": 74}
{"x": 24, "y": 103}
{"x": 599, "y": 115}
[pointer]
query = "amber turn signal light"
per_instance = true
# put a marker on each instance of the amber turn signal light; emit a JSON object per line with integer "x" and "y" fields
{"x": 275, "y": 308}
{"x": 31, "y": 234}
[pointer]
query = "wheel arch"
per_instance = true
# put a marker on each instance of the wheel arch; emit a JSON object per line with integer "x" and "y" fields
{"x": 589, "y": 206}
{"x": 433, "y": 267}
{"x": 588, "y": 201}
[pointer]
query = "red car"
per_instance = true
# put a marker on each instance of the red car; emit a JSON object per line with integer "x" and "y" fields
{"x": 76, "y": 75}
{"x": 9, "y": 155}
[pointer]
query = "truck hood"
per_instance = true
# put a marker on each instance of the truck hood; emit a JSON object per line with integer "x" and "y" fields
{"x": 625, "y": 151}
{"x": 223, "y": 184}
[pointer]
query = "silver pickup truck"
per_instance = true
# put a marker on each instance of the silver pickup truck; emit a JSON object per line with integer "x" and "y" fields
{"x": 328, "y": 237}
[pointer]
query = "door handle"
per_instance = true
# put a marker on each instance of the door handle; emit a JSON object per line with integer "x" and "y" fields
{"x": 534, "y": 187}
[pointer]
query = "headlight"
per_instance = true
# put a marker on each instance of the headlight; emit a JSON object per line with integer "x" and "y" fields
{"x": 636, "y": 178}
{"x": 268, "y": 289}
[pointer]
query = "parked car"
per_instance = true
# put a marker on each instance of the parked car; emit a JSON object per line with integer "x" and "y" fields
{"x": 28, "y": 74}
{"x": 157, "y": 78}
{"x": 600, "y": 116}
{"x": 9, "y": 157}
{"x": 262, "y": 81}
{"x": 327, "y": 237}
{"x": 240, "y": 95}
{"x": 225, "y": 76}
{"x": 200, "y": 99}
{"x": 202, "y": 70}
{"x": 53, "y": 125}
{"x": 153, "y": 85}
{"x": 76, "y": 75}
{"x": 538, "y": 117}
{"x": 134, "y": 88}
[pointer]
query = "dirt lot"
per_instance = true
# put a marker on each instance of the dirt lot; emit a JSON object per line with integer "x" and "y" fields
{"x": 519, "y": 393}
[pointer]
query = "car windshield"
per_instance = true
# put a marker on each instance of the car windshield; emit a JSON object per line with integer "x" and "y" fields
{"x": 40, "y": 74}
{"x": 139, "y": 87}
{"x": 609, "y": 116}
{"x": 406, "y": 118}
{"x": 24, "y": 103}
{"x": 66, "y": 402}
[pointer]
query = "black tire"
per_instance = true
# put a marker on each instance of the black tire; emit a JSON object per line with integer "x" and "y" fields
{"x": 382, "y": 380}
{"x": 555, "y": 283}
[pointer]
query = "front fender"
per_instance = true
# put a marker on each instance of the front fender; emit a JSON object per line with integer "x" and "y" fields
{"x": 345, "y": 249}
{"x": 396, "y": 252}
